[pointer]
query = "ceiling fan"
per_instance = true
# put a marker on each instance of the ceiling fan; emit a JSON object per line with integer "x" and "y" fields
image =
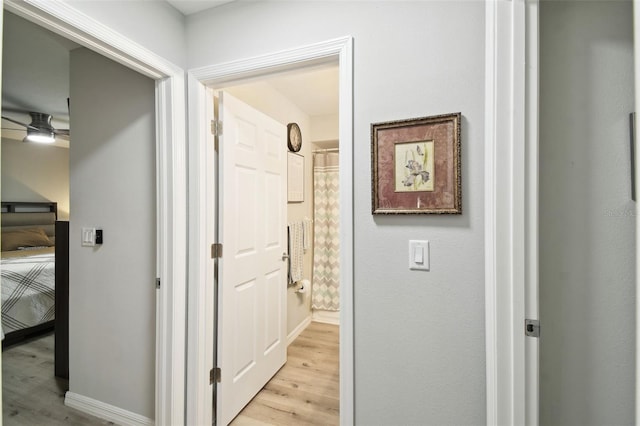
{"x": 40, "y": 129}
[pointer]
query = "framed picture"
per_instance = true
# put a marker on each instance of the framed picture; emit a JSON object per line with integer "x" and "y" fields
{"x": 295, "y": 178}
{"x": 416, "y": 166}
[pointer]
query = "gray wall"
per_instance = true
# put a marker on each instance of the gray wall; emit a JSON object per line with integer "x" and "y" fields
{"x": 35, "y": 172}
{"x": 420, "y": 341}
{"x": 587, "y": 224}
{"x": 156, "y": 25}
{"x": 112, "y": 186}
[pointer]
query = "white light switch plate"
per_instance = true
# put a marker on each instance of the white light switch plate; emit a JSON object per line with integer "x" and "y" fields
{"x": 419, "y": 255}
{"x": 88, "y": 237}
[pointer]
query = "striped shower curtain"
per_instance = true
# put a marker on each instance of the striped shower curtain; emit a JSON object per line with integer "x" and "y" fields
{"x": 326, "y": 257}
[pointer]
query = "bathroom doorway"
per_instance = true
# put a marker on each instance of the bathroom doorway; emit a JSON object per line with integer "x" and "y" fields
{"x": 307, "y": 101}
{"x": 202, "y": 307}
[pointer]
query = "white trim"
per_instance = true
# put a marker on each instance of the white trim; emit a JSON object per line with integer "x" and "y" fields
{"x": 298, "y": 330}
{"x": 304, "y": 56}
{"x": 105, "y": 411}
{"x": 326, "y": 317}
{"x": 490, "y": 210}
{"x": 67, "y": 21}
{"x": 201, "y": 269}
{"x": 347, "y": 277}
{"x": 199, "y": 408}
{"x": 172, "y": 250}
{"x": 505, "y": 211}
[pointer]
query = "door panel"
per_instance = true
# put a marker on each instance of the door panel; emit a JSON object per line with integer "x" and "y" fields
{"x": 272, "y": 213}
{"x": 272, "y": 324}
{"x": 246, "y": 207}
{"x": 253, "y": 280}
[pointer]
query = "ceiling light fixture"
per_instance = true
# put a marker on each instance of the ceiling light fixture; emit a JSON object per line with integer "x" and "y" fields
{"x": 40, "y": 130}
{"x": 39, "y": 136}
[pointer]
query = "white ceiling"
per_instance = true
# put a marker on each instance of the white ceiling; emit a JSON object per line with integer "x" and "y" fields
{"x": 35, "y": 76}
{"x": 188, "y": 7}
{"x": 314, "y": 91}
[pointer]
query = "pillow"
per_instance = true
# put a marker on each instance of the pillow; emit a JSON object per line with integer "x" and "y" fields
{"x": 28, "y": 237}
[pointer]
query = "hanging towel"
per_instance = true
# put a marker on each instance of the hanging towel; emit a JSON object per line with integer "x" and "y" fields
{"x": 306, "y": 234}
{"x": 295, "y": 251}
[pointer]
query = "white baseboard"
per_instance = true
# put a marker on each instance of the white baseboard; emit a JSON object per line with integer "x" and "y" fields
{"x": 105, "y": 411}
{"x": 299, "y": 329}
{"x": 327, "y": 317}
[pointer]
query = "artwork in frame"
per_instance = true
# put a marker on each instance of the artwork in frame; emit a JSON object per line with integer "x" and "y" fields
{"x": 416, "y": 167}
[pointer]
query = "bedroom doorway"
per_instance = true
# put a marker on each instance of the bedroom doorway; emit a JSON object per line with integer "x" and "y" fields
{"x": 291, "y": 61}
{"x": 164, "y": 119}
{"x": 99, "y": 137}
{"x": 35, "y": 197}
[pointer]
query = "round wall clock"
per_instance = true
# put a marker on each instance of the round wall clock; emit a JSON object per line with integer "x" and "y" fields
{"x": 294, "y": 137}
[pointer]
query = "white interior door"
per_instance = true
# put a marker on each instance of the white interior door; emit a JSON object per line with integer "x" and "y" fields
{"x": 253, "y": 275}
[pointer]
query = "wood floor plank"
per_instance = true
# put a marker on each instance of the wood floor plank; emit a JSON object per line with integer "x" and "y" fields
{"x": 31, "y": 394}
{"x": 306, "y": 391}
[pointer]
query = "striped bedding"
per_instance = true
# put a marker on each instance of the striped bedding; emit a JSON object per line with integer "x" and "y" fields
{"x": 28, "y": 288}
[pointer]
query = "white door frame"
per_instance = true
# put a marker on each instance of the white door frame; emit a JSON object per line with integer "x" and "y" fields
{"x": 201, "y": 226}
{"x": 171, "y": 181}
{"x": 511, "y": 210}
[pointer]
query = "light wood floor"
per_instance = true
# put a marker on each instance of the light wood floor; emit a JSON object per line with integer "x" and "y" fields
{"x": 306, "y": 390}
{"x": 31, "y": 394}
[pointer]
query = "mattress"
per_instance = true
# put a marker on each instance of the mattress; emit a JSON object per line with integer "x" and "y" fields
{"x": 28, "y": 288}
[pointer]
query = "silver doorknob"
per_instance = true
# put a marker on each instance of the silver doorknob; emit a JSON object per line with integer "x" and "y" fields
{"x": 285, "y": 256}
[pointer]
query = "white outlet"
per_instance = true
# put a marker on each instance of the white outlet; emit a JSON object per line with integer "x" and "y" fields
{"x": 419, "y": 255}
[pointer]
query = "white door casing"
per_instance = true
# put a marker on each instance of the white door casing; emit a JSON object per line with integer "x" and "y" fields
{"x": 252, "y": 273}
{"x": 511, "y": 210}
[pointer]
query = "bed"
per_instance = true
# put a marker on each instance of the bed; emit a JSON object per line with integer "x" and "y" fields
{"x": 35, "y": 276}
{"x": 28, "y": 269}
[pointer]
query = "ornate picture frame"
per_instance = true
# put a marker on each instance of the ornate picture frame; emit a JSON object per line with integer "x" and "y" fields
{"x": 416, "y": 166}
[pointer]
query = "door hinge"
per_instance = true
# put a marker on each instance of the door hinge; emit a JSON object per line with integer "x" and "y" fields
{"x": 216, "y": 128}
{"x": 157, "y": 283}
{"x": 216, "y": 251}
{"x": 215, "y": 375}
{"x": 532, "y": 328}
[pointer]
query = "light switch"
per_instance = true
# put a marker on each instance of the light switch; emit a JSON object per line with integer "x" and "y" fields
{"x": 88, "y": 237}
{"x": 419, "y": 255}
